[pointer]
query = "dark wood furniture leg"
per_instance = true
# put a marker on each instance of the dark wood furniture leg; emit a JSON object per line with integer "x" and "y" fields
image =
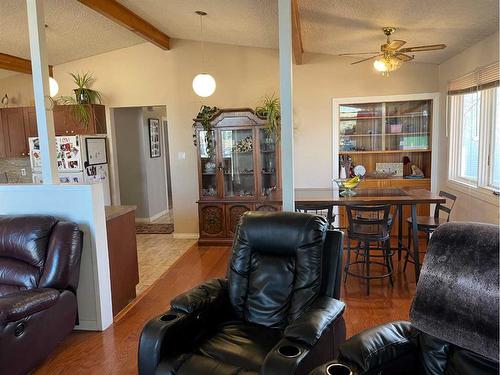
{"x": 415, "y": 240}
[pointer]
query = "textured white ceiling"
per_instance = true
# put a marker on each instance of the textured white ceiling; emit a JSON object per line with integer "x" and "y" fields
{"x": 355, "y": 25}
{"x": 328, "y": 26}
{"x": 74, "y": 31}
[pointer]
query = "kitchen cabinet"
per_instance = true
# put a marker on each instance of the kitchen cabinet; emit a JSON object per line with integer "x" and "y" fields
{"x": 122, "y": 253}
{"x": 3, "y": 152}
{"x": 17, "y": 124}
{"x": 66, "y": 124}
{"x": 15, "y": 134}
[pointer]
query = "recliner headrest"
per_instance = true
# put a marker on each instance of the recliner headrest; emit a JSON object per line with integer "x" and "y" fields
{"x": 281, "y": 233}
{"x": 457, "y": 297}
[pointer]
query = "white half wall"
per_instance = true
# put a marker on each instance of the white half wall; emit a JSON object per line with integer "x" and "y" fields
{"x": 84, "y": 205}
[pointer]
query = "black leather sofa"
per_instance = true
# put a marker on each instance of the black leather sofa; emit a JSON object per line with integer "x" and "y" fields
{"x": 454, "y": 316}
{"x": 39, "y": 273}
{"x": 277, "y": 312}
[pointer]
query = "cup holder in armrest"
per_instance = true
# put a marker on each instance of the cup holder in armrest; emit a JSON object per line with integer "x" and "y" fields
{"x": 338, "y": 369}
{"x": 289, "y": 351}
{"x": 169, "y": 317}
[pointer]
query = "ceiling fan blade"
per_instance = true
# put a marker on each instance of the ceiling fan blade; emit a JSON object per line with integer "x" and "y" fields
{"x": 394, "y": 45}
{"x": 404, "y": 57}
{"x": 368, "y": 58}
{"x": 358, "y": 53}
{"x": 430, "y": 47}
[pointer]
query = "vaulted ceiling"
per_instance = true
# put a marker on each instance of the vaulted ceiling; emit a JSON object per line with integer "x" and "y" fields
{"x": 332, "y": 27}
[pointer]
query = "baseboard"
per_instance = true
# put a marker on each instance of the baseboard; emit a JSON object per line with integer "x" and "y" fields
{"x": 152, "y": 218}
{"x": 186, "y": 236}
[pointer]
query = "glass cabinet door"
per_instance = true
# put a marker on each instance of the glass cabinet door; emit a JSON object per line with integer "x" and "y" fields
{"x": 238, "y": 162}
{"x": 206, "y": 144}
{"x": 407, "y": 125}
{"x": 361, "y": 127}
{"x": 268, "y": 162}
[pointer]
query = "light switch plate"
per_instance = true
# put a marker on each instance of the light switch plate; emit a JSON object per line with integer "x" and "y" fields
{"x": 23, "y": 171}
{"x": 181, "y": 155}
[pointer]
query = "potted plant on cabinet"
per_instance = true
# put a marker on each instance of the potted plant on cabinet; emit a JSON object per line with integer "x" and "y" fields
{"x": 84, "y": 95}
{"x": 204, "y": 117}
{"x": 270, "y": 109}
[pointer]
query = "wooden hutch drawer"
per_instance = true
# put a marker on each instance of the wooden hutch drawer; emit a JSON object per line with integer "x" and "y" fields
{"x": 233, "y": 213}
{"x": 212, "y": 220}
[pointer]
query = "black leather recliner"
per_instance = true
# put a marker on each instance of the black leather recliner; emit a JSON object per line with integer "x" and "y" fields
{"x": 276, "y": 313}
{"x": 454, "y": 316}
{"x": 39, "y": 274}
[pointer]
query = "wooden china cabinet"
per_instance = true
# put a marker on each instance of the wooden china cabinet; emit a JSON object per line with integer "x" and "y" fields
{"x": 238, "y": 171}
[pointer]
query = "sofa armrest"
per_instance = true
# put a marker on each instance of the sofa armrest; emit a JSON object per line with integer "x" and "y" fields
{"x": 210, "y": 293}
{"x": 309, "y": 326}
{"x": 382, "y": 348}
{"x": 190, "y": 314}
{"x": 22, "y": 304}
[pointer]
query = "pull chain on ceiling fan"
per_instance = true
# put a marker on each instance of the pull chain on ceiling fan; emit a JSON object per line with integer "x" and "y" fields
{"x": 391, "y": 55}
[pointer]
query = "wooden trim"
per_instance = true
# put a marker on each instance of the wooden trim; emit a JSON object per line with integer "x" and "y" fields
{"x": 18, "y": 64}
{"x": 128, "y": 19}
{"x": 296, "y": 34}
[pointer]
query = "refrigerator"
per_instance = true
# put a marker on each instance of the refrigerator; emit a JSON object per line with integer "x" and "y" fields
{"x": 81, "y": 159}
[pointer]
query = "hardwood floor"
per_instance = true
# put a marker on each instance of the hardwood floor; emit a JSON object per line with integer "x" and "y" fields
{"x": 115, "y": 350}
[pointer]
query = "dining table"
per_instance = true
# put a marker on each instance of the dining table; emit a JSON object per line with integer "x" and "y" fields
{"x": 398, "y": 197}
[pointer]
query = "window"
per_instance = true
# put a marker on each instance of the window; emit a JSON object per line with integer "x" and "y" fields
{"x": 474, "y": 122}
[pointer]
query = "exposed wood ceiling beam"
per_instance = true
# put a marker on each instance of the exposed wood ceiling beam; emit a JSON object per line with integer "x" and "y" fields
{"x": 296, "y": 34}
{"x": 126, "y": 18}
{"x": 17, "y": 64}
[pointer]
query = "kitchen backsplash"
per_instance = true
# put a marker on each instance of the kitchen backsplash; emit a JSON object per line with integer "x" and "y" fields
{"x": 10, "y": 170}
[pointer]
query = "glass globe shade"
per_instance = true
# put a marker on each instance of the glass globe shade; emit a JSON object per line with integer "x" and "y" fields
{"x": 380, "y": 65}
{"x": 204, "y": 85}
{"x": 53, "y": 87}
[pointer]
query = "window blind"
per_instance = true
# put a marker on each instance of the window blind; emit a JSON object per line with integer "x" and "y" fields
{"x": 480, "y": 79}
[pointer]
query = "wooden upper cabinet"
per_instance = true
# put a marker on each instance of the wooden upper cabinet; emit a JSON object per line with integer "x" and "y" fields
{"x": 65, "y": 123}
{"x": 14, "y": 132}
{"x": 3, "y": 151}
{"x": 96, "y": 125}
{"x": 30, "y": 121}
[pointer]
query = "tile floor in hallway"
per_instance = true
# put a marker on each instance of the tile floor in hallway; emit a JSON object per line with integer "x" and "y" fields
{"x": 156, "y": 253}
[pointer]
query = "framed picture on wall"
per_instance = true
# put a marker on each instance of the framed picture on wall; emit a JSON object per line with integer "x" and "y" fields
{"x": 154, "y": 138}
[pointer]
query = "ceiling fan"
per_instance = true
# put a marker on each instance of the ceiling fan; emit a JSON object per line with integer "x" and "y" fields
{"x": 391, "y": 54}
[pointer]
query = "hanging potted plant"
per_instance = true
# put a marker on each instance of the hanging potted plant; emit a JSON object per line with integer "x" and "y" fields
{"x": 84, "y": 95}
{"x": 270, "y": 109}
{"x": 204, "y": 117}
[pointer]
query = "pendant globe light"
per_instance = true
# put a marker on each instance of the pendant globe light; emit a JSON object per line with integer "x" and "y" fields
{"x": 203, "y": 84}
{"x": 53, "y": 87}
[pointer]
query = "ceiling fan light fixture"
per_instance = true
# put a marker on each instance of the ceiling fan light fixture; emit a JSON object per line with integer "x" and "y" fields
{"x": 379, "y": 65}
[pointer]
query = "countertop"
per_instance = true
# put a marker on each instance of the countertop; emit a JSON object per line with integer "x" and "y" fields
{"x": 113, "y": 212}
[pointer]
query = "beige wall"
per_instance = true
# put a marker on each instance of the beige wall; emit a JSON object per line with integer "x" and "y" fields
{"x": 19, "y": 88}
{"x": 468, "y": 206}
{"x": 146, "y": 75}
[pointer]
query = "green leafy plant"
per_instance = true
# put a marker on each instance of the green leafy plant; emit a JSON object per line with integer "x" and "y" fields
{"x": 271, "y": 110}
{"x": 84, "y": 95}
{"x": 204, "y": 117}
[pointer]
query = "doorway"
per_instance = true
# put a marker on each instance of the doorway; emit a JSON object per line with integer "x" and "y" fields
{"x": 141, "y": 135}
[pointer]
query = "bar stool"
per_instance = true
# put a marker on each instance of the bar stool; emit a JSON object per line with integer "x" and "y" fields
{"x": 371, "y": 227}
{"x": 429, "y": 224}
{"x": 322, "y": 210}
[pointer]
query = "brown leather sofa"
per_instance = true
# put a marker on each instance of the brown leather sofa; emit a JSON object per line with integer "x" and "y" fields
{"x": 39, "y": 272}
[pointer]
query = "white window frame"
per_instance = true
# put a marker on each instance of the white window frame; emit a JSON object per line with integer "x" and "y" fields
{"x": 480, "y": 188}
